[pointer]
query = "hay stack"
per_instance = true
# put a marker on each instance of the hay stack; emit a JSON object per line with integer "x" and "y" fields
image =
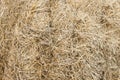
{"x": 59, "y": 40}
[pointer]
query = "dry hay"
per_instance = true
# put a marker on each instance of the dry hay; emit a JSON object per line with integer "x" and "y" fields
{"x": 59, "y": 39}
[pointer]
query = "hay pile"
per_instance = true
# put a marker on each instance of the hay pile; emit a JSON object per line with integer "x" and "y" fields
{"x": 59, "y": 39}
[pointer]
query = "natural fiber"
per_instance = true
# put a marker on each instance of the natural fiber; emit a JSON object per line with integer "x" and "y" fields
{"x": 59, "y": 39}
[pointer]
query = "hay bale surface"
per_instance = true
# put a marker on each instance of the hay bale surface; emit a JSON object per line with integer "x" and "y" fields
{"x": 59, "y": 39}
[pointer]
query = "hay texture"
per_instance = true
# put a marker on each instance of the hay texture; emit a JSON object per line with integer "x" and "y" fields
{"x": 59, "y": 39}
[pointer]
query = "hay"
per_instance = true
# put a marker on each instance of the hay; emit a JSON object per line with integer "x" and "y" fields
{"x": 59, "y": 39}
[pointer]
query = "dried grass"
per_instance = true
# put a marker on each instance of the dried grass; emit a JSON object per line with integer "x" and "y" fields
{"x": 59, "y": 39}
